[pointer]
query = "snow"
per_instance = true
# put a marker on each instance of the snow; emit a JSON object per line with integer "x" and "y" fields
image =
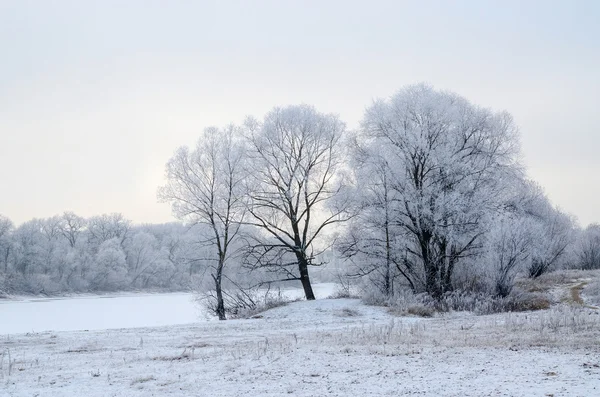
{"x": 97, "y": 312}
{"x": 334, "y": 347}
{"x": 27, "y": 314}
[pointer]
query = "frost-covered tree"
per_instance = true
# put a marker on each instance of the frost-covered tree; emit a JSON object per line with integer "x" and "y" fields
{"x": 143, "y": 258}
{"x": 509, "y": 245}
{"x": 178, "y": 253}
{"x": 78, "y": 264}
{"x": 449, "y": 162}
{"x": 295, "y": 180}
{"x": 6, "y": 227}
{"x": 588, "y": 248}
{"x": 28, "y": 253}
{"x": 554, "y": 234}
{"x": 206, "y": 186}
{"x": 57, "y": 254}
{"x": 372, "y": 243}
{"x": 71, "y": 227}
{"x": 553, "y": 231}
{"x": 107, "y": 226}
{"x": 34, "y": 257}
{"x": 110, "y": 266}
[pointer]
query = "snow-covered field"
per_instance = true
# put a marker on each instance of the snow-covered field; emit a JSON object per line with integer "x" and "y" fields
{"x": 322, "y": 348}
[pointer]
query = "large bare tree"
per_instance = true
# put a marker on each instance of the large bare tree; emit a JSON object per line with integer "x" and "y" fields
{"x": 71, "y": 227}
{"x": 205, "y": 185}
{"x": 295, "y": 162}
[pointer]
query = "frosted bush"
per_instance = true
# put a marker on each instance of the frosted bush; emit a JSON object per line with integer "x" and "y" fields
{"x": 405, "y": 302}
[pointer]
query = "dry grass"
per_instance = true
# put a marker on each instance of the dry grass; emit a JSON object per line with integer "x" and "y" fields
{"x": 576, "y": 293}
{"x": 261, "y": 307}
{"x": 187, "y": 354}
{"x": 143, "y": 379}
{"x": 343, "y": 293}
{"x": 348, "y": 312}
{"x": 420, "y": 311}
{"x": 530, "y": 301}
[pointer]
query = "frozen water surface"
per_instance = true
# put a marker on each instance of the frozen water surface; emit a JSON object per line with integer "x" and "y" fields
{"x": 98, "y": 312}
{"x": 110, "y": 311}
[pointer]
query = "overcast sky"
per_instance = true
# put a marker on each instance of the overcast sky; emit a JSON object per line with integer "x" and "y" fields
{"x": 95, "y": 96}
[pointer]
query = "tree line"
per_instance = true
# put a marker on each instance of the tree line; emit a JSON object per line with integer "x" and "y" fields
{"x": 69, "y": 253}
{"x": 427, "y": 194}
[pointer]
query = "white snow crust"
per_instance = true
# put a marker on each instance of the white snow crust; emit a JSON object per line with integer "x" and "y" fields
{"x": 321, "y": 348}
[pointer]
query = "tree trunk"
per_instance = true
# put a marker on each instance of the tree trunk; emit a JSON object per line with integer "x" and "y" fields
{"x": 220, "y": 310}
{"x": 388, "y": 247}
{"x": 447, "y": 282}
{"x": 304, "y": 278}
{"x": 432, "y": 284}
{"x": 432, "y": 281}
{"x": 388, "y": 258}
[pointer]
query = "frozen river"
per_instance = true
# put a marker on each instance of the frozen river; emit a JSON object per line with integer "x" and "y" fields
{"x": 98, "y": 312}
{"x": 109, "y": 312}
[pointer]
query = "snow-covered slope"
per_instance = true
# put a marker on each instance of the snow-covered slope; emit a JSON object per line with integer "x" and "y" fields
{"x": 320, "y": 348}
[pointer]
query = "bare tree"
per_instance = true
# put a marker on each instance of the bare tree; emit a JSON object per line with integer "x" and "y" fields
{"x": 71, "y": 227}
{"x": 5, "y": 225}
{"x": 206, "y": 186}
{"x": 295, "y": 182}
{"x": 108, "y": 226}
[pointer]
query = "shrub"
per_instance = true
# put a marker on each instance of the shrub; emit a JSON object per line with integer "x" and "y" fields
{"x": 245, "y": 303}
{"x": 343, "y": 291}
{"x": 424, "y": 305}
{"x": 270, "y": 302}
{"x": 527, "y": 301}
{"x": 375, "y": 298}
{"x": 420, "y": 310}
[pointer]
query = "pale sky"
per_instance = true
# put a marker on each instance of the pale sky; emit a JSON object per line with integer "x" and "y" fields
{"x": 95, "y": 96}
